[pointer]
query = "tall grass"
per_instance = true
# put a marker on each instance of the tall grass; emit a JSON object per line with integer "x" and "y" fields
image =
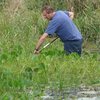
{"x": 29, "y": 76}
{"x": 24, "y": 75}
{"x": 85, "y": 11}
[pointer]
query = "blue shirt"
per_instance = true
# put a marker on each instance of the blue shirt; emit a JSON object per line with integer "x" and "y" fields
{"x": 63, "y": 26}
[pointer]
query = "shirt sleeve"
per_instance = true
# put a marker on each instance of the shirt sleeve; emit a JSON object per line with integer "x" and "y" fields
{"x": 52, "y": 26}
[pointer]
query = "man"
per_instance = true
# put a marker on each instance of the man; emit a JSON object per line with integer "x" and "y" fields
{"x": 60, "y": 22}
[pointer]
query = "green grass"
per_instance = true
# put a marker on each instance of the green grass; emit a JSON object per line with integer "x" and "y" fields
{"x": 24, "y": 75}
{"x": 53, "y": 69}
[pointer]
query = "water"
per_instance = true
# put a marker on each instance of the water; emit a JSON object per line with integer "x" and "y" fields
{"x": 88, "y": 98}
{"x": 81, "y": 93}
{"x": 80, "y": 98}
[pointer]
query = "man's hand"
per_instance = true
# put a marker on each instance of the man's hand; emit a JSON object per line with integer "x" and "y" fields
{"x": 39, "y": 43}
{"x": 71, "y": 15}
{"x": 36, "y": 51}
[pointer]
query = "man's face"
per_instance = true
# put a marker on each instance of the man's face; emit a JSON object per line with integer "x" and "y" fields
{"x": 46, "y": 15}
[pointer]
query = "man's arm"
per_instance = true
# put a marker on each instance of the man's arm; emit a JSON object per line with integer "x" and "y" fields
{"x": 40, "y": 42}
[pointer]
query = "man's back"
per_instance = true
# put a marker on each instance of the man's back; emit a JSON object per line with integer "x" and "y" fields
{"x": 64, "y": 27}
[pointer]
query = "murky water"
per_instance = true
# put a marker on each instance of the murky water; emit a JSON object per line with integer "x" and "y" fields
{"x": 81, "y": 98}
{"x": 81, "y": 93}
{"x": 88, "y": 98}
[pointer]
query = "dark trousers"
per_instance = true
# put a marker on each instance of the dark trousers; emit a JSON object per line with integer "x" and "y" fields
{"x": 72, "y": 46}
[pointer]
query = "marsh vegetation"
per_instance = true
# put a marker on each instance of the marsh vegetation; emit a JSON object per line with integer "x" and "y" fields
{"x": 23, "y": 75}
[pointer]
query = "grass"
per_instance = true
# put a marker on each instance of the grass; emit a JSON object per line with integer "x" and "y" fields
{"x": 24, "y": 75}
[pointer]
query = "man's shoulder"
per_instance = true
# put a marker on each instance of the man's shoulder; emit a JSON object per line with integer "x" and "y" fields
{"x": 61, "y": 11}
{"x": 58, "y": 14}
